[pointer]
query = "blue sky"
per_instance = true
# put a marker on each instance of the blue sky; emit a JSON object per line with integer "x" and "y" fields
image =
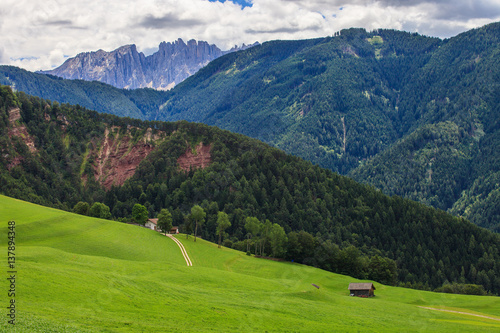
{"x": 42, "y": 34}
{"x": 242, "y": 3}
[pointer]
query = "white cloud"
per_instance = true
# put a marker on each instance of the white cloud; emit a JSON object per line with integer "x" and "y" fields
{"x": 37, "y": 35}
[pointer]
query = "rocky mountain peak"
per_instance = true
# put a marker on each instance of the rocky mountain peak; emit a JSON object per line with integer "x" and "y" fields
{"x": 130, "y": 48}
{"x": 127, "y": 68}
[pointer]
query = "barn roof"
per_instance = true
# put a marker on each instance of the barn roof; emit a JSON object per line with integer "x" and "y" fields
{"x": 155, "y": 221}
{"x": 361, "y": 286}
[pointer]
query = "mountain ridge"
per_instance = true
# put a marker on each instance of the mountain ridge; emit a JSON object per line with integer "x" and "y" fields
{"x": 127, "y": 68}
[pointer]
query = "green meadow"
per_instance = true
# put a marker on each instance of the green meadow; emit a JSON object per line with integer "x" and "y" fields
{"x": 80, "y": 274}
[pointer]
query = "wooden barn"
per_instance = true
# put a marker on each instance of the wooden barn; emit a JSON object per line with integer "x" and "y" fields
{"x": 362, "y": 289}
{"x": 174, "y": 230}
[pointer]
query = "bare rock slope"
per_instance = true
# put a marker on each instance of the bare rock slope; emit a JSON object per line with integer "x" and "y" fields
{"x": 127, "y": 68}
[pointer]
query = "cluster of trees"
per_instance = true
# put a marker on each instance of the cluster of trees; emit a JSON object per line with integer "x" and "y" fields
{"x": 354, "y": 228}
{"x": 462, "y": 288}
{"x": 97, "y": 209}
{"x": 260, "y": 233}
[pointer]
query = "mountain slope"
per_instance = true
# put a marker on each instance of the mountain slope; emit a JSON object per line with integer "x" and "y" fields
{"x": 431, "y": 165}
{"x": 129, "y": 69}
{"x": 91, "y": 95}
{"x": 463, "y": 93}
{"x": 441, "y": 166}
{"x": 328, "y": 100}
{"x": 341, "y": 101}
{"x": 119, "y": 277}
{"x": 59, "y": 155}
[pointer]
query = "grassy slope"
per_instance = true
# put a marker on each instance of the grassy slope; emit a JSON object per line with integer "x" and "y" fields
{"x": 78, "y": 274}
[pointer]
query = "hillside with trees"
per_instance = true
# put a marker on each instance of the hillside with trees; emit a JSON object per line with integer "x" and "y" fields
{"x": 276, "y": 204}
{"x": 349, "y": 103}
{"x": 91, "y": 95}
{"x": 356, "y": 102}
{"x": 441, "y": 166}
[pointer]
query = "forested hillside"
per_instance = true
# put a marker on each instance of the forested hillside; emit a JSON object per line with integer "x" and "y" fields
{"x": 434, "y": 165}
{"x": 452, "y": 110}
{"x": 412, "y": 115}
{"x": 91, "y": 95}
{"x": 277, "y": 204}
{"x": 332, "y": 101}
{"x": 341, "y": 101}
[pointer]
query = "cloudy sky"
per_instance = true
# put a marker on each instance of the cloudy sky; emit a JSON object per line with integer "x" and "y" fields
{"x": 42, "y": 34}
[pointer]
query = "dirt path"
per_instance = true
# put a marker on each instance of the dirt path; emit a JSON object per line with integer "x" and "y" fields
{"x": 183, "y": 250}
{"x": 465, "y": 313}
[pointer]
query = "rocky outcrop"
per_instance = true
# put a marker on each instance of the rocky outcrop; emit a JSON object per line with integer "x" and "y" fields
{"x": 118, "y": 156}
{"x": 127, "y": 68}
{"x": 19, "y": 130}
{"x": 195, "y": 158}
{"x": 121, "y": 68}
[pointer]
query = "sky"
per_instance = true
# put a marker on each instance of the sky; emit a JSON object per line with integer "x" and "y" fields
{"x": 39, "y": 35}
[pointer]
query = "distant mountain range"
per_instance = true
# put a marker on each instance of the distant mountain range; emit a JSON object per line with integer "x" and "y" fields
{"x": 127, "y": 68}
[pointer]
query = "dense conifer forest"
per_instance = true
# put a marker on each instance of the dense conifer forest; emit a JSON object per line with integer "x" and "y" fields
{"x": 277, "y": 204}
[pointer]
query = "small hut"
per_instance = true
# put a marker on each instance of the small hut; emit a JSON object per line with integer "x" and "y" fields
{"x": 174, "y": 230}
{"x": 362, "y": 289}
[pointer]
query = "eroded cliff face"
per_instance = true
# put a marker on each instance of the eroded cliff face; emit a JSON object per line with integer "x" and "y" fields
{"x": 195, "y": 158}
{"x": 113, "y": 157}
{"x": 18, "y": 129}
{"x": 118, "y": 155}
{"x": 127, "y": 68}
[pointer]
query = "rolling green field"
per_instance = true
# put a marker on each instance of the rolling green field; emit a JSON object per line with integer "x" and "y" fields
{"x": 80, "y": 274}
